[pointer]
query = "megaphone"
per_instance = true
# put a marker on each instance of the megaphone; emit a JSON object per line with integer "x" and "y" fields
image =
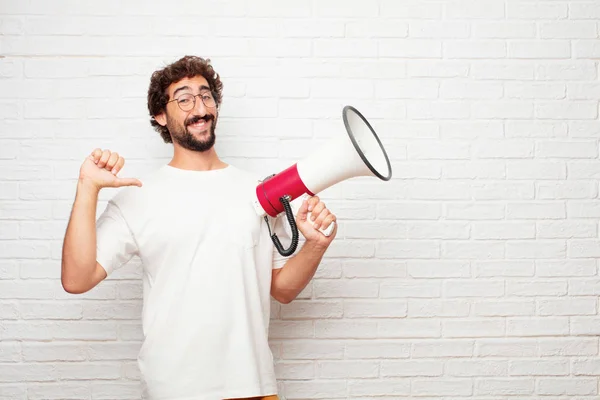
{"x": 359, "y": 153}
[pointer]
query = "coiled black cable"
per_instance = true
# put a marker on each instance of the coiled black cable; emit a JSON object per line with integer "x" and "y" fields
{"x": 285, "y": 201}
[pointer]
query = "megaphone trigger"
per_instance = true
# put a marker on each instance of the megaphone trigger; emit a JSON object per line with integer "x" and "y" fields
{"x": 327, "y": 232}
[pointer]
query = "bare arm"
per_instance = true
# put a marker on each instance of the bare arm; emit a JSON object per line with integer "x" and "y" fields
{"x": 288, "y": 281}
{"x": 80, "y": 271}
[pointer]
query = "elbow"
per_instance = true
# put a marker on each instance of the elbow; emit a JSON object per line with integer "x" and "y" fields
{"x": 71, "y": 284}
{"x": 283, "y": 298}
{"x": 72, "y": 287}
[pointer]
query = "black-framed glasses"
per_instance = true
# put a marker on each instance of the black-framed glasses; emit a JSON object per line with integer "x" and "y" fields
{"x": 187, "y": 101}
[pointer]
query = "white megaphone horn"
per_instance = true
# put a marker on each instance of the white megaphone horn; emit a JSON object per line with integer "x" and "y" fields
{"x": 359, "y": 153}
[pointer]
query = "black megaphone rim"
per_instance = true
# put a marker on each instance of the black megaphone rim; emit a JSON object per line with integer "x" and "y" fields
{"x": 357, "y": 147}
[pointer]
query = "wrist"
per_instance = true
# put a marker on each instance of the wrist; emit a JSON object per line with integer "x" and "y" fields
{"x": 87, "y": 186}
{"x": 316, "y": 246}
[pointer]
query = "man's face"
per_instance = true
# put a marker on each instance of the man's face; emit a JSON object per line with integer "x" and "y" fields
{"x": 191, "y": 125}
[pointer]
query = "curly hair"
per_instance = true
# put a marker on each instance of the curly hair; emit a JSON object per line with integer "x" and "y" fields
{"x": 186, "y": 67}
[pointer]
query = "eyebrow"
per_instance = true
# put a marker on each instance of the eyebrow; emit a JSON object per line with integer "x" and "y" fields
{"x": 201, "y": 88}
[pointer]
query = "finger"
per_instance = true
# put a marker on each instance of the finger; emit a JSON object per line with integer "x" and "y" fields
{"x": 104, "y": 158}
{"x": 312, "y": 202}
{"x": 128, "y": 182}
{"x": 96, "y": 154}
{"x": 118, "y": 165}
{"x": 302, "y": 211}
{"x": 112, "y": 160}
{"x": 317, "y": 209}
{"x": 329, "y": 225}
{"x": 319, "y": 220}
{"x": 327, "y": 221}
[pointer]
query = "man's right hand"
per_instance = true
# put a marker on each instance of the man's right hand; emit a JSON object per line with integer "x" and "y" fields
{"x": 100, "y": 170}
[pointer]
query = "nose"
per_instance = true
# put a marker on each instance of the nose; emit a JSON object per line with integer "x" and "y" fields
{"x": 199, "y": 106}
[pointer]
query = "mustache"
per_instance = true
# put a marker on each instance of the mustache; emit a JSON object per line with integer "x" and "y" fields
{"x": 197, "y": 118}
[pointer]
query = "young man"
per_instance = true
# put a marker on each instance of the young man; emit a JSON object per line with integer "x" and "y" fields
{"x": 209, "y": 263}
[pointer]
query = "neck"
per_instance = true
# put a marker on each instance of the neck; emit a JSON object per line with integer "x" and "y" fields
{"x": 196, "y": 161}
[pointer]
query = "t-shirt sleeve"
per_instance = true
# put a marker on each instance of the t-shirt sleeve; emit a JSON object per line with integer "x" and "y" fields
{"x": 281, "y": 227}
{"x": 115, "y": 243}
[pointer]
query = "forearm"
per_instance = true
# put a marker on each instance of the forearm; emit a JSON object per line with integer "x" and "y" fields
{"x": 79, "y": 247}
{"x": 297, "y": 272}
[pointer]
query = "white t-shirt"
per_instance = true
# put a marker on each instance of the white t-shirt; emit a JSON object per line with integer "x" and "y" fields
{"x": 207, "y": 260}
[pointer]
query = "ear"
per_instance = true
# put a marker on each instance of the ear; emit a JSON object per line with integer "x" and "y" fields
{"x": 161, "y": 119}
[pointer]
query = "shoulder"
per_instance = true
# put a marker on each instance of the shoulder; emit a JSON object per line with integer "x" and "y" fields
{"x": 244, "y": 176}
{"x": 128, "y": 197}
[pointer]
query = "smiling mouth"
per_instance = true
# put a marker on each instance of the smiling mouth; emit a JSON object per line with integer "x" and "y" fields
{"x": 200, "y": 125}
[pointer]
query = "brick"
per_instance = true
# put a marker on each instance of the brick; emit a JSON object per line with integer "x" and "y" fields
{"x": 542, "y": 129}
{"x": 356, "y": 47}
{"x": 301, "y": 309}
{"x": 489, "y": 327}
{"x": 345, "y": 329}
{"x": 29, "y": 372}
{"x": 580, "y": 110}
{"x": 379, "y": 387}
{"x": 575, "y": 306}
{"x": 468, "y": 9}
{"x": 566, "y": 70}
{"x": 479, "y": 49}
{"x": 460, "y": 288}
{"x": 438, "y": 30}
{"x": 438, "y": 308}
{"x": 419, "y": 289}
{"x": 527, "y": 326}
{"x": 507, "y": 268}
{"x": 509, "y": 386}
{"x": 568, "y": 386}
{"x": 504, "y": 308}
{"x": 311, "y": 349}
{"x": 58, "y": 391}
{"x": 539, "y": 49}
{"x": 503, "y": 230}
{"x": 442, "y": 387}
{"x": 376, "y": 349}
{"x": 388, "y": 28}
{"x": 317, "y": 389}
{"x": 504, "y": 30}
{"x": 566, "y": 347}
{"x": 347, "y": 369}
{"x": 414, "y": 328}
{"x": 526, "y": 90}
{"x": 414, "y": 48}
{"x": 411, "y": 368}
{"x": 468, "y": 368}
{"x": 568, "y": 30}
{"x": 375, "y": 309}
{"x": 534, "y": 10}
{"x": 295, "y": 370}
{"x": 410, "y": 10}
{"x": 327, "y": 288}
{"x": 443, "y": 348}
{"x": 586, "y": 49}
{"x": 506, "y": 348}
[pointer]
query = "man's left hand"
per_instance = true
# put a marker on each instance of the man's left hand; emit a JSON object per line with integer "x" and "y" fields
{"x": 312, "y": 216}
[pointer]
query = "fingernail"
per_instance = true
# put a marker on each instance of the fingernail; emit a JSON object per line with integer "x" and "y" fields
{"x": 317, "y": 226}
{"x": 114, "y": 170}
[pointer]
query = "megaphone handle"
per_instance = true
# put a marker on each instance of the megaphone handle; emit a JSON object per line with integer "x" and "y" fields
{"x": 327, "y": 232}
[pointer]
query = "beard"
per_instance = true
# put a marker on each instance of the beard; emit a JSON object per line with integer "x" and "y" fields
{"x": 187, "y": 140}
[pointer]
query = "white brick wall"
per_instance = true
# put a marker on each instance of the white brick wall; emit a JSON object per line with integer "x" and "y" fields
{"x": 472, "y": 274}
